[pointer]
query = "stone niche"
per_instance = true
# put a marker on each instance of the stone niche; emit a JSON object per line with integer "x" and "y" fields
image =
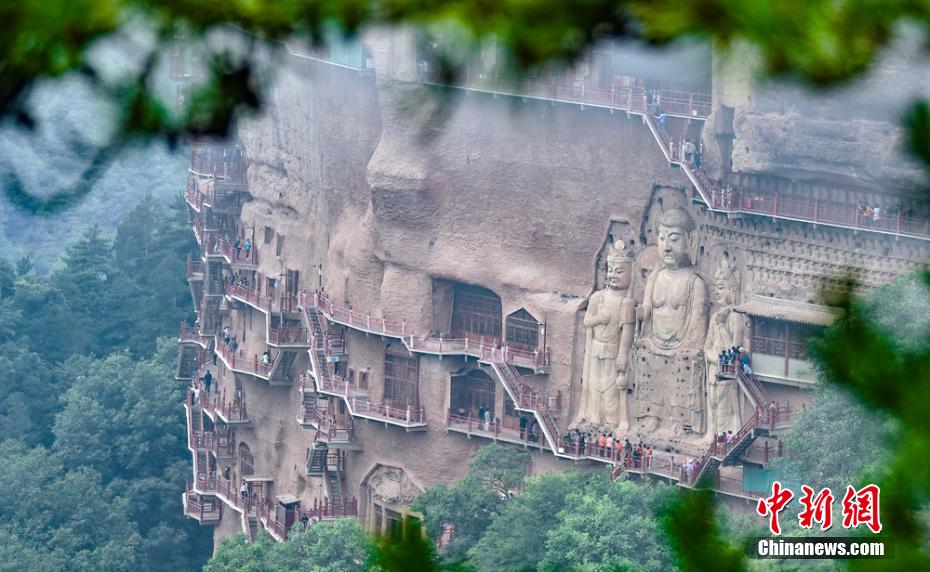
{"x": 644, "y": 374}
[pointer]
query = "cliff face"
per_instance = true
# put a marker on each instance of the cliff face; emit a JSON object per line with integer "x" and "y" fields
{"x": 387, "y": 193}
{"x": 848, "y": 135}
{"x": 398, "y": 191}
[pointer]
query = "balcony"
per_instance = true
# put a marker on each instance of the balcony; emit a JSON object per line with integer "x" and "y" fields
{"x": 259, "y": 301}
{"x": 411, "y": 418}
{"x": 231, "y": 412}
{"x": 327, "y": 510}
{"x": 190, "y": 335}
{"x": 469, "y": 426}
{"x": 537, "y": 360}
{"x": 205, "y": 509}
{"x": 221, "y": 246}
{"x": 289, "y": 336}
{"x": 237, "y": 362}
{"x": 195, "y": 268}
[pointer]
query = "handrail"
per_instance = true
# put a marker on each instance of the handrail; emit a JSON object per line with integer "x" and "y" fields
{"x": 486, "y": 352}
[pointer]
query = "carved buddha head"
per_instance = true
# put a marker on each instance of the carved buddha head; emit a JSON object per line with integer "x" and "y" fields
{"x": 677, "y": 238}
{"x": 619, "y": 266}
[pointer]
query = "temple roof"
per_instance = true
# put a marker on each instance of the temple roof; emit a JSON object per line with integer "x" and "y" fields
{"x": 789, "y": 310}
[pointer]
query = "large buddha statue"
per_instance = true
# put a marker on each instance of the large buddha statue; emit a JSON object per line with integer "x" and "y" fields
{"x": 668, "y": 355}
{"x": 609, "y": 322}
{"x": 726, "y": 330}
{"x": 675, "y": 303}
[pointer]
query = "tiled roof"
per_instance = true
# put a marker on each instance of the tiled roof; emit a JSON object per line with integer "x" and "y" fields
{"x": 789, "y": 310}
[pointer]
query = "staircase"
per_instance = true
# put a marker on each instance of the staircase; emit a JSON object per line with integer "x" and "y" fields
{"x": 316, "y": 460}
{"x": 189, "y": 361}
{"x": 332, "y": 488}
{"x": 527, "y": 399}
{"x": 281, "y": 367}
{"x": 315, "y": 324}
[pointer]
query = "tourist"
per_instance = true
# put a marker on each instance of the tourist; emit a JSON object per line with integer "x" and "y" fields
{"x": 609, "y": 444}
{"x": 481, "y": 415}
{"x": 214, "y": 359}
{"x": 487, "y": 419}
{"x": 238, "y": 248}
{"x": 227, "y": 472}
{"x": 266, "y": 357}
{"x": 233, "y": 345}
{"x": 225, "y": 334}
{"x": 602, "y": 442}
{"x": 248, "y": 248}
{"x": 663, "y": 129}
{"x": 876, "y": 213}
{"x": 868, "y": 212}
{"x": 773, "y": 411}
{"x": 244, "y": 490}
{"x": 207, "y": 380}
{"x": 687, "y": 149}
{"x": 648, "y": 462}
{"x": 729, "y": 439}
{"x": 523, "y": 428}
{"x": 689, "y": 470}
{"x": 697, "y": 156}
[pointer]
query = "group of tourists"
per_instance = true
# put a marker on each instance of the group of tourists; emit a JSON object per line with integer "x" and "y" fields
{"x": 736, "y": 356}
{"x": 240, "y": 246}
{"x": 239, "y": 279}
{"x": 606, "y": 446}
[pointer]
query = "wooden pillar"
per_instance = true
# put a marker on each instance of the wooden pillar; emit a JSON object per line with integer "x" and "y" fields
{"x": 787, "y": 347}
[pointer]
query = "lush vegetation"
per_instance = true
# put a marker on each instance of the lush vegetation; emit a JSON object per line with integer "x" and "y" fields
{"x": 91, "y": 423}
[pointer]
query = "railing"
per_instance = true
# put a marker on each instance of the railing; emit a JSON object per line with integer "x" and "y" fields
{"x": 358, "y": 402}
{"x": 194, "y": 267}
{"x": 221, "y": 446}
{"x": 808, "y": 209}
{"x": 190, "y": 334}
{"x": 487, "y": 352}
{"x": 233, "y": 411}
{"x": 493, "y": 430}
{"x": 310, "y": 413}
{"x": 193, "y": 196}
{"x": 323, "y": 509}
{"x": 261, "y": 301}
{"x": 629, "y": 98}
{"x": 278, "y": 335}
{"x": 239, "y": 363}
{"x": 735, "y": 487}
{"x": 329, "y": 431}
{"x": 200, "y": 508}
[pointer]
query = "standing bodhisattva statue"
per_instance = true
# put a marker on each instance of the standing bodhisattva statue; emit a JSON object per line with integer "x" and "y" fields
{"x": 668, "y": 354}
{"x": 609, "y": 323}
{"x": 675, "y": 301}
{"x": 726, "y": 330}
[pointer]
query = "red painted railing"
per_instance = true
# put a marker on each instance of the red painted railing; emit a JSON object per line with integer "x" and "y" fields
{"x": 493, "y": 430}
{"x": 238, "y": 362}
{"x": 808, "y": 209}
{"x": 325, "y": 508}
{"x": 190, "y": 334}
{"x": 424, "y": 344}
{"x": 278, "y": 335}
